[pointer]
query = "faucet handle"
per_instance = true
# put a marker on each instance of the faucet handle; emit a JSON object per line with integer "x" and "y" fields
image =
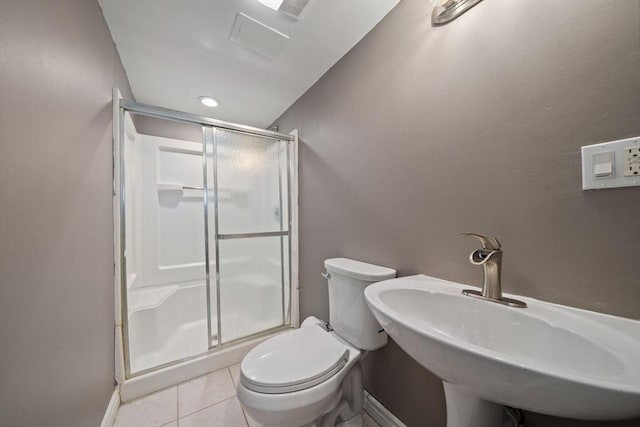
{"x": 488, "y": 242}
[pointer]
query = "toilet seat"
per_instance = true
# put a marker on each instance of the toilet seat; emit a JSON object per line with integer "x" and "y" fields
{"x": 293, "y": 361}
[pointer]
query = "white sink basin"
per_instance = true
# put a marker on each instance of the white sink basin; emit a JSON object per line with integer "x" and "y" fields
{"x": 545, "y": 358}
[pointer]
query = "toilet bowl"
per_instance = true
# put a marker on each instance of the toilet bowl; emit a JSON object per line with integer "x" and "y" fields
{"x": 317, "y": 388}
{"x": 312, "y": 375}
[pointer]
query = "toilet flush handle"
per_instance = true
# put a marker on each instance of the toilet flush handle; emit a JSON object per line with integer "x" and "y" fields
{"x": 326, "y": 275}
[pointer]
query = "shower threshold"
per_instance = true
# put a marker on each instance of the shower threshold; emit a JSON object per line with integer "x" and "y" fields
{"x": 141, "y": 385}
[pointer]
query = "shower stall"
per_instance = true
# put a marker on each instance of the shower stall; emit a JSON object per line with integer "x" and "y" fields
{"x": 205, "y": 245}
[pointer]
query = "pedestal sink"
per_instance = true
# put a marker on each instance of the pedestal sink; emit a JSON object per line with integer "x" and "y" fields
{"x": 546, "y": 358}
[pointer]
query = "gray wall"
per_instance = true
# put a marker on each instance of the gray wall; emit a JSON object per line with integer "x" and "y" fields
{"x": 167, "y": 128}
{"x": 57, "y": 68}
{"x": 421, "y": 133}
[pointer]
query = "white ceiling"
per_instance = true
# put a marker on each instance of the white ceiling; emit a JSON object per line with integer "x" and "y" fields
{"x": 174, "y": 51}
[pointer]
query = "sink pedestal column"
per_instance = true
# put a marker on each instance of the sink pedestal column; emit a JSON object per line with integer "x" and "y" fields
{"x": 467, "y": 410}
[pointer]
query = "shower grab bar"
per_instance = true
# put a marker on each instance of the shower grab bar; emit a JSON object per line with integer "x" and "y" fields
{"x": 249, "y": 235}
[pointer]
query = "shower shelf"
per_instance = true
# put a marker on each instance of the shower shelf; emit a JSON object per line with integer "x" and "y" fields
{"x": 177, "y": 187}
{"x": 235, "y": 196}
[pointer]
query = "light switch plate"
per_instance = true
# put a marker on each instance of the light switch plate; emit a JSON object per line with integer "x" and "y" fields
{"x": 604, "y": 164}
{"x": 620, "y": 176}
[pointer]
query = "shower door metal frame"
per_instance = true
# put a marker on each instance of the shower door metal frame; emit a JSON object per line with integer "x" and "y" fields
{"x": 211, "y": 139}
{"x": 209, "y": 125}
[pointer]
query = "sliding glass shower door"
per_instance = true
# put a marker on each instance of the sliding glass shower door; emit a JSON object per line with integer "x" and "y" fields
{"x": 204, "y": 239}
{"x": 248, "y": 213}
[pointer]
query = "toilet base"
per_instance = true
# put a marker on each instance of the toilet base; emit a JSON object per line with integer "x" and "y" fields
{"x": 351, "y": 404}
{"x": 353, "y": 422}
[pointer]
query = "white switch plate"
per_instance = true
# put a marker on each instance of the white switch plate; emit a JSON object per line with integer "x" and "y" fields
{"x": 620, "y": 148}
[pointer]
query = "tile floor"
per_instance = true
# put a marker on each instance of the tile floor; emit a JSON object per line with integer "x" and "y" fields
{"x": 206, "y": 401}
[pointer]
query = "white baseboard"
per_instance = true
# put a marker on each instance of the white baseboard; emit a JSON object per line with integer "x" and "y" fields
{"x": 379, "y": 413}
{"x": 112, "y": 410}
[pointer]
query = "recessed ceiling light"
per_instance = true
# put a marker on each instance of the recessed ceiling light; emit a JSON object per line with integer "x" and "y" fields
{"x": 445, "y": 11}
{"x": 209, "y": 101}
{"x": 273, "y": 4}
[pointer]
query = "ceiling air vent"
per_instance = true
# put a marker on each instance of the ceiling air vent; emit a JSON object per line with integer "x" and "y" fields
{"x": 293, "y": 7}
{"x": 257, "y": 37}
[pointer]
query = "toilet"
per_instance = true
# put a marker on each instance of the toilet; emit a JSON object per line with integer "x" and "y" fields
{"x": 311, "y": 376}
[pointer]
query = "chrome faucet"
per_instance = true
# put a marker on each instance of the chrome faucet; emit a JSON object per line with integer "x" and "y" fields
{"x": 490, "y": 257}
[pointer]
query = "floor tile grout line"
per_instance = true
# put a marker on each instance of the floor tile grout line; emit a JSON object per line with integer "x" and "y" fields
{"x": 177, "y": 405}
{"x": 197, "y": 378}
{"x": 244, "y": 414}
{"x": 231, "y": 376}
{"x": 206, "y": 407}
{"x": 177, "y": 387}
{"x": 144, "y": 396}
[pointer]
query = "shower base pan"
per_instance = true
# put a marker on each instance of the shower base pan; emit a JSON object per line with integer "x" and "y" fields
{"x": 162, "y": 378}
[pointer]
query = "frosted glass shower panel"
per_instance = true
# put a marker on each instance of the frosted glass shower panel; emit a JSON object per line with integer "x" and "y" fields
{"x": 252, "y": 172}
{"x": 251, "y": 181}
{"x": 253, "y": 285}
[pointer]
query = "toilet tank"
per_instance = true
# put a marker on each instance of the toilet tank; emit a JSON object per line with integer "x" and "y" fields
{"x": 349, "y": 314}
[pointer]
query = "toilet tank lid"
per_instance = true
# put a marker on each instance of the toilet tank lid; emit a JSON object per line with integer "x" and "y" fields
{"x": 359, "y": 270}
